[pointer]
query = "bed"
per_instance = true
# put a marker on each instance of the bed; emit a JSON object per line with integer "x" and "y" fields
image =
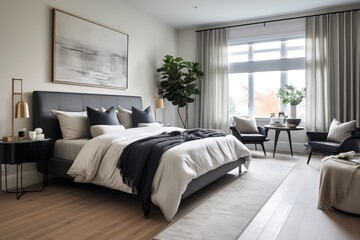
{"x": 44, "y": 102}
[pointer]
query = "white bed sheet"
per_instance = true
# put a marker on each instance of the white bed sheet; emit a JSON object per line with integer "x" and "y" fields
{"x": 97, "y": 162}
{"x": 69, "y": 149}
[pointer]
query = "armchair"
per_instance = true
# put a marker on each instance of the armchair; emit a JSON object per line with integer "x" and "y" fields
{"x": 318, "y": 143}
{"x": 251, "y": 138}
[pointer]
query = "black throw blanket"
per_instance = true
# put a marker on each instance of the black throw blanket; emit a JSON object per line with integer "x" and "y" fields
{"x": 139, "y": 160}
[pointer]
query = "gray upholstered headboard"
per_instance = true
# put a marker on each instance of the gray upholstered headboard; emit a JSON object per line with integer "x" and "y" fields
{"x": 44, "y": 102}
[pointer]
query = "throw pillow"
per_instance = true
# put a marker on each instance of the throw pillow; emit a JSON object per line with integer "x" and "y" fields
{"x": 139, "y": 116}
{"x": 73, "y": 125}
{"x": 339, "y": 131}
{"x": 246, "y": 125}
{"x": 102, "y": 118}
{"x": 124, "y": 117}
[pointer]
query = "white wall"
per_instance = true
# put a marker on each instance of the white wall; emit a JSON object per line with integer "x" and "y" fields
{"x": 26, "y": 49}
{"x": 187, "y": 50}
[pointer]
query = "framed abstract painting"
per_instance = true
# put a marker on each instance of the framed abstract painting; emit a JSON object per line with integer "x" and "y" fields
{"x": 86, "y": 53}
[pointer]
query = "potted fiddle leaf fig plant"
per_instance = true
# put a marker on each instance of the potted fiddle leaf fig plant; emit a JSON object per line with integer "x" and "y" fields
{"x": 292, "y": 95}
{"x": 179, "y": 83}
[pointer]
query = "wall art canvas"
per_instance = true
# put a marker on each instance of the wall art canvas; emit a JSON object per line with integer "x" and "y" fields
{"x": 87, "y": 53}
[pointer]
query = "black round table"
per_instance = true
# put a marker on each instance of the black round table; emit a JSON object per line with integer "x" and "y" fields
{"x": 278, "y": 129}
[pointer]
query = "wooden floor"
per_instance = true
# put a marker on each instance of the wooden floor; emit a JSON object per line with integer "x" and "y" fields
{"x": 71, "y": 211}
{"x": 292, "y": 213}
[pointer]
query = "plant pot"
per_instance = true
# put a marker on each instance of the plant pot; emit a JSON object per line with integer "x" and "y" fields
{"x": 292, "y": 111}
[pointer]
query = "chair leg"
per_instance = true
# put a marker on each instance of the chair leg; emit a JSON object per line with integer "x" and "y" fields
{"x": 262, "y": 145}
{"x": 255, "y": 147}
{"x": 310, "y": 154}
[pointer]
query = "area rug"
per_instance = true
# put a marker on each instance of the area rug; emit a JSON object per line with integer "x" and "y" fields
{"x": 227, "y": 213}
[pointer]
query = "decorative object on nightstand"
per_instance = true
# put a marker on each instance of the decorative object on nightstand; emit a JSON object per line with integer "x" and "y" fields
{"x": 25, "y": 151}
{"x": 159, "y": 103}
{"x": 20, "y": 110}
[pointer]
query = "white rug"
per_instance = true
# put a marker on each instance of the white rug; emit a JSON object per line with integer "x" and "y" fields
{"x": 226, "y": 214}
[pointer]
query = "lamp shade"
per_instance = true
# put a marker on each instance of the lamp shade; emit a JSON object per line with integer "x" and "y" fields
{"x": 159, "y": 103}
{"x": 22, "y": 110}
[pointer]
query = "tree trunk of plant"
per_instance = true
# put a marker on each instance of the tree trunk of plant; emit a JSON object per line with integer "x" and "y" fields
{"x": 185, "y": 120}
{"x": 182, "y": 121}
{"x": 186, "y": 117}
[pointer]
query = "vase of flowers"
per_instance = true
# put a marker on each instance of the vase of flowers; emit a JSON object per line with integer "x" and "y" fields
{"x": 293, "y": 96}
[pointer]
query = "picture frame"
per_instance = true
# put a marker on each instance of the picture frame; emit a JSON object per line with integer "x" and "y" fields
{"x": 87, "y": 53}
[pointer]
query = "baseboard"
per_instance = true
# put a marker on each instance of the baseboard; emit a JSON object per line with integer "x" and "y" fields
{"x": 30, "y": 177}
{"x": 281, "y": 147}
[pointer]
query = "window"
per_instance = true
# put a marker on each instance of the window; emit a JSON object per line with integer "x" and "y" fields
{"x": 258, "y": 69}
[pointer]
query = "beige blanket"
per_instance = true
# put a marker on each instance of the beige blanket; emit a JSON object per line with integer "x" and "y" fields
{"x": 336, "y": 174}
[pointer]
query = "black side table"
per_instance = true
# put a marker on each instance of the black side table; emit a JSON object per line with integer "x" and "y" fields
{"x": 25, "y": 151}
{"x": 277, "y": 132}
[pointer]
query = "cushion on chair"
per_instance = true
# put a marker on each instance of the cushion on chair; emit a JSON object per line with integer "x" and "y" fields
{"x": 253, "y": 137}
{"x": 246, "y": 125}
{"x": 339, "y": 131}
{"x": 324, "y": 146}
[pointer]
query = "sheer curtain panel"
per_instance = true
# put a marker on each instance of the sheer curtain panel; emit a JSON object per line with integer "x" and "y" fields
{"x": 212, "y": 105}
{"x": 332, "y": 69}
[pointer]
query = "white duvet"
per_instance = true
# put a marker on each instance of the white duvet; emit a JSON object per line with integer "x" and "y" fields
{"x": 96, "y": 163}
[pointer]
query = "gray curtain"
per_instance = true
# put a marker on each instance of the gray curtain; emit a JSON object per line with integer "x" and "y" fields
{"x": 332, "y": 69}
{"x": 212, "y": 104}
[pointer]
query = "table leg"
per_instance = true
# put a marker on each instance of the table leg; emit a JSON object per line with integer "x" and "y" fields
{"x": 288, "y": 132}
{"x": 277, "y": 132}
{"x": 20, "y": 190}
{"x": 1, "y": 185}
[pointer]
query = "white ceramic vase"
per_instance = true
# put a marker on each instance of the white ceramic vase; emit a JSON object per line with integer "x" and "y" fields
{"x": 292, "y": 111}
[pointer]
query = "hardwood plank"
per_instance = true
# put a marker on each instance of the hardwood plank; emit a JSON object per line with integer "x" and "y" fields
{"x": 308, "y": 229}
{"x": 274, "y": 226}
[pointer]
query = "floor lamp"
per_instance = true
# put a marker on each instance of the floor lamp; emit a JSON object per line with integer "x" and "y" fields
{"x": 20, "y": 110}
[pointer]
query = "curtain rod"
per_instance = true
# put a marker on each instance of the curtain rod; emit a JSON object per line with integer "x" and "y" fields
{"x": 277, "y": 20}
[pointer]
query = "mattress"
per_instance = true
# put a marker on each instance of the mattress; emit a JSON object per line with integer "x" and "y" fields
{"x": 69, "y": 149}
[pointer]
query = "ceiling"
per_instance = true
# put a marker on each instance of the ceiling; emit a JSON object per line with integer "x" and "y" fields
{"x": 182, "y": 14}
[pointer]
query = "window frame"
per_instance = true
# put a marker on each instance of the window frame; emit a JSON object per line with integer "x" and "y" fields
{"x": 283, "y": 64}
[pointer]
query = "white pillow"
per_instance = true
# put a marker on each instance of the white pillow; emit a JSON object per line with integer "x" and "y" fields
{"x": 339, "y": 131}
{"x": 124, "y": 117}
{"x": 154, "y": 124}
{"x": 246, "y": 125}
{"x": 73, "y": 125}
{"x": 98, "y": 130}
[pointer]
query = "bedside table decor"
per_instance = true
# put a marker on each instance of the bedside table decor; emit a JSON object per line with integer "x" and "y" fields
{"x": 159, "y": 104}
{"x": 21, "y": 110}
{"x": 25, "y": 151}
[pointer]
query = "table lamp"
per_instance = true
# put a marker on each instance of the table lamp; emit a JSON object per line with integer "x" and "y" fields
{"x": 159, "y": 103}
{"x": 20, "y": 110}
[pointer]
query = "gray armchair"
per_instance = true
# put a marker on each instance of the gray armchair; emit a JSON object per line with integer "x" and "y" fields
{"x": 318, "y": 143}
{"x": 251, "y": 138}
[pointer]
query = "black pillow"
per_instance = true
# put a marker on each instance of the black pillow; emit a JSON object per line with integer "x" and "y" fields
{"x": 139, "y": 116}
{"x": 102, "y": 118}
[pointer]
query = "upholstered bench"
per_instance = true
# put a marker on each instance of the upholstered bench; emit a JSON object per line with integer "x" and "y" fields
{"x": 340, "y": 184}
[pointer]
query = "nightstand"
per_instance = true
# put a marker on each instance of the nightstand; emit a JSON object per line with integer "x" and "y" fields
{"x": 25, "y": 151}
